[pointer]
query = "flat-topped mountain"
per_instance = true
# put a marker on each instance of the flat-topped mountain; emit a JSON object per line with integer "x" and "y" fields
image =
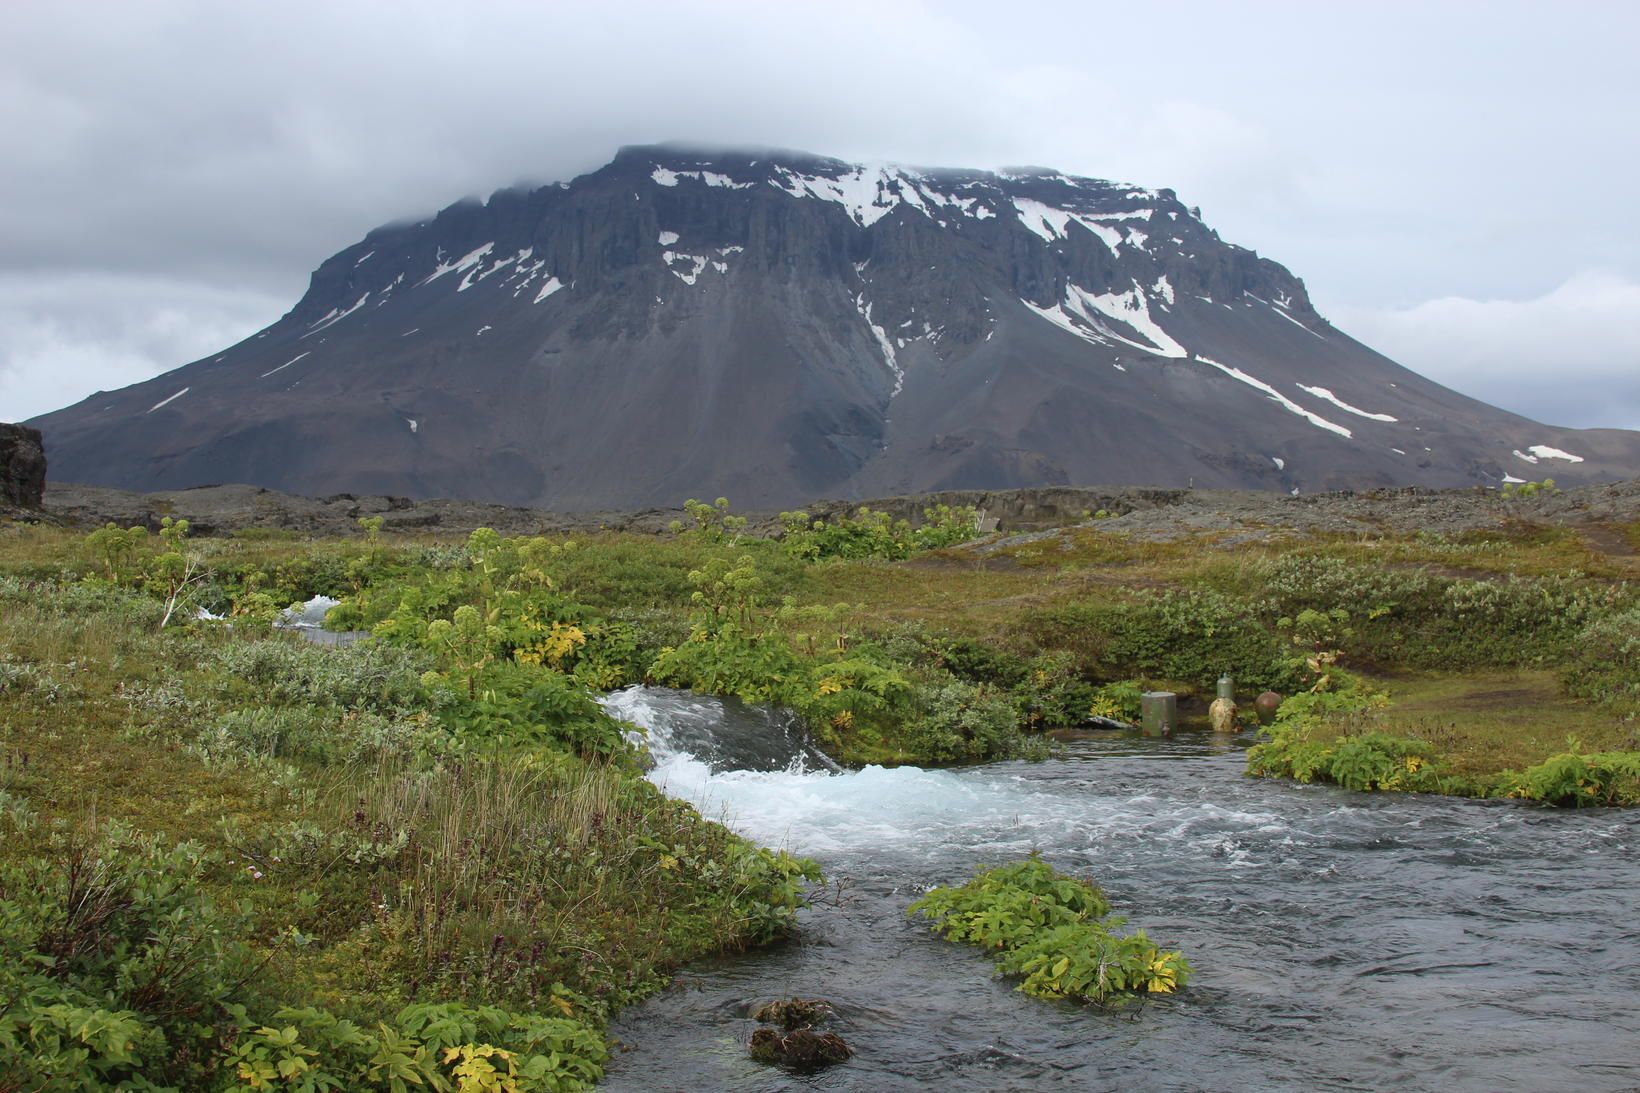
{"x": 775, "y": 326}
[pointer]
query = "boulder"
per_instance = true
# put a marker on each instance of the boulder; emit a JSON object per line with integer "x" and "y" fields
{"x": 794, "y": 1013}
{"x": 22, "y": 466}
{"x": 796, "y": 1043}
{"x": 800, "y": 1049}
{"x": 1266, "y": 705}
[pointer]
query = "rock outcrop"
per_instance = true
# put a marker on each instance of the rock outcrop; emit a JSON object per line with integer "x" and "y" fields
{"x": 22, "y": 466}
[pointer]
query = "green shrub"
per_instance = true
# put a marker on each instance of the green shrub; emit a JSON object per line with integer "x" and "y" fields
{"x": 1411, "y": 617}
{"x": 441, "y": 1047}
{"x": 1578, "y": 778}
{"x": 855, "y": 693}
{"x": 289, "y": 671}
{"x": 1359, "y": 761}
{"x": 873, "y": 534}
{"x": 519, "y": 705}
{"x": 946, "y": 526}
{"x": 962, "y": 722}
{"x": 1603, "y": 664}
{"x": 1120, "y": 701}
{"x": 1054, "y": 931}
{"x": 713, "y": 522}
{"x": 1192, "y": 635}
{"x": 1052, "y": 693}
{"x": 315, "y": 735}
{"x": 757, "y": 668}
{"x": 114, "y": 966}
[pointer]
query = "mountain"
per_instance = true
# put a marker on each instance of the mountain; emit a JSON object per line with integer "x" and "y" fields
{"x": 775, "y": 327}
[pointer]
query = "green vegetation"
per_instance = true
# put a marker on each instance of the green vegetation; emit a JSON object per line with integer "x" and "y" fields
{"x": 1522, "y": 490}
{"x": 1054, "y": 931}
{"x": 869, "y": 534}
{"x": 231, "y": 859}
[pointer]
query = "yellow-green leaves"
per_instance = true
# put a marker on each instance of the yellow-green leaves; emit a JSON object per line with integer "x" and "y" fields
{"x": 1055, "y": 932}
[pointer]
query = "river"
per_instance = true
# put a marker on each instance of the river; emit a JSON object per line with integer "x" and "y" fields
{"x": 1339, "y": 940}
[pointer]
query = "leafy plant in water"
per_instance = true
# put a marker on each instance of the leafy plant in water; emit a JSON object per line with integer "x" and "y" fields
{"x": 1054, "y": 931}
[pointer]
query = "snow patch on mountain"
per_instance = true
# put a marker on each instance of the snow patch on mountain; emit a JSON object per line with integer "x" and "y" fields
{"x": 167, "y": 401}
{"x": 334, "y": 316}
{"x": 1132, "y": 310}
{"x": 1053, "y": 223}
{"x": 883, "y": 343}
{"x": 1058, "y": 317}
{"x": 862, "y": 192}
{"x": 478, "y": 272}
{"x": 462, "y": 264}
{"x": 1276, "y": 396}
{"x": 284, "y": 366}
{"x": 1326, "y": 393}
{"x": 665, "y": 177}
{"x": 697, "y": 263}
{"x": 1543, "y": 451}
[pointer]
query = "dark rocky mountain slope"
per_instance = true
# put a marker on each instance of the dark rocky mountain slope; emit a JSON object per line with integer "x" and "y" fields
{"x": 775, "y": 327}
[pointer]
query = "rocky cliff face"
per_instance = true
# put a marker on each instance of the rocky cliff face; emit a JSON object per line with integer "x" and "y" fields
{"x": 22, "y": 466}
{"x": 777, "y": 327}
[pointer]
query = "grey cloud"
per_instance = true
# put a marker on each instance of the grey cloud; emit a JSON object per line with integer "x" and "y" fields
{"x": 1570, "y": 356}
{"x": 65, "y": 336}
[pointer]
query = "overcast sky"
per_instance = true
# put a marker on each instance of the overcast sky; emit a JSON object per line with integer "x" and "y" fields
{"x": 1454, "y": 181}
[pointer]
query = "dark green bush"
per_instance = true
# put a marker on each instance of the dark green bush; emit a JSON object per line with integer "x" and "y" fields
{"x": 962, "y": 722}
{"x": 1577, "y": 778}
{"x": 114, "y": 967}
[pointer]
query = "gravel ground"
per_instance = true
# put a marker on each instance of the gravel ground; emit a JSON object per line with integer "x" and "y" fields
{"x": 1141, "y": 513}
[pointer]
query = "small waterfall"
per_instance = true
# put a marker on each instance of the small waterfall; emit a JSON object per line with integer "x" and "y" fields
{"x": 308, "y": 620}
{"x": 307, "y": 616}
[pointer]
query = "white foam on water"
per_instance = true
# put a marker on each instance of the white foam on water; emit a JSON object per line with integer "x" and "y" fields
{"x": 996, "y": 810}
{"x": 306, "y": 616}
